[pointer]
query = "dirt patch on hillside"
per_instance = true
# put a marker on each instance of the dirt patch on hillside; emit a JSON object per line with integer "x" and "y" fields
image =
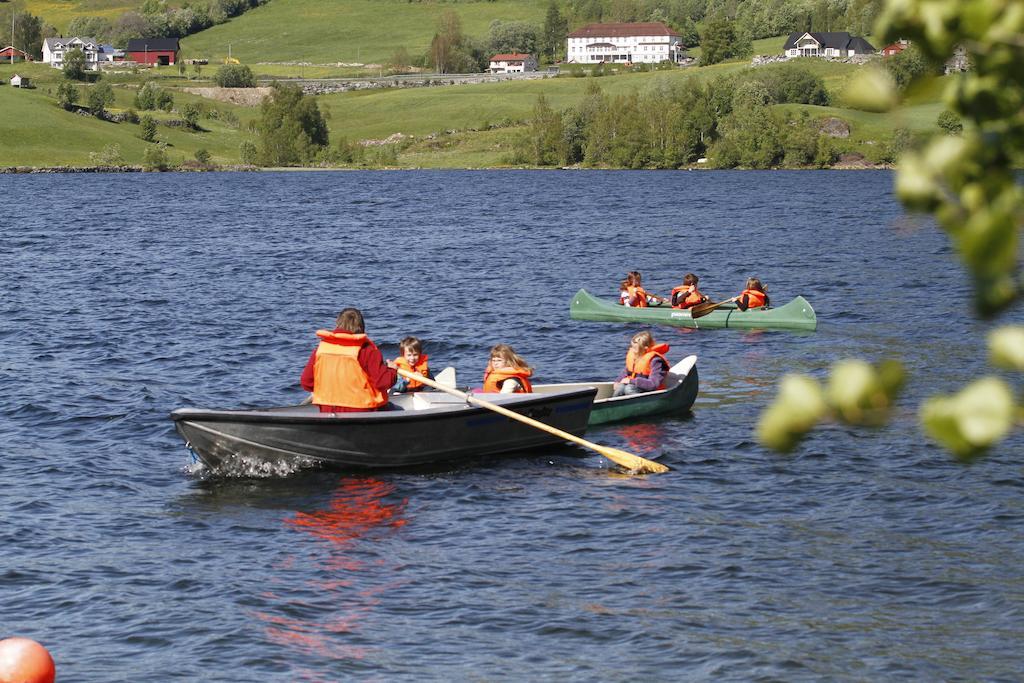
{"x": 246, "y": 97}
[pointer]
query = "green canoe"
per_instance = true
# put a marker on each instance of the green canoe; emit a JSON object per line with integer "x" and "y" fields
{"x": 677, "y": 397}
{"x": 796, "y": 315}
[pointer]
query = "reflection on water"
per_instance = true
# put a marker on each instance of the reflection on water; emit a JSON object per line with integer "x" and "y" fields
{"x": 333, "y": 605}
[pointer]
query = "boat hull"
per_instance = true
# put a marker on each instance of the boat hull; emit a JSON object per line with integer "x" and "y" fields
{"x": 795, "y": 315}
{"x": 447, "y": 429}
{"x": 677, "y": 398}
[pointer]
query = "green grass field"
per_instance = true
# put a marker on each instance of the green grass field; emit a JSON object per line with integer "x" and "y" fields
{"x": 59, "y": 13}
{"x": 353, "y": 31}
{"x": 36, "y": 132}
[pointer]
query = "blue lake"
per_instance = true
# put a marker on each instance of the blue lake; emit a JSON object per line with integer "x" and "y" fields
{"x": 865, "y": 555}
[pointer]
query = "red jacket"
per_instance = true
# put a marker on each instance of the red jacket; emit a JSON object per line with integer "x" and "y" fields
{"x": 380, "y": 375}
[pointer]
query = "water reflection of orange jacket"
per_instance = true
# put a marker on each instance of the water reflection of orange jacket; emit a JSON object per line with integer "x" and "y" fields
{"x": 494, "y": 378}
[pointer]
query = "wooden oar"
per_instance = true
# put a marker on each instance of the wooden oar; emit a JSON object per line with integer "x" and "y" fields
{"x": 701, "y": 310}
{"x": 633, "y": 463}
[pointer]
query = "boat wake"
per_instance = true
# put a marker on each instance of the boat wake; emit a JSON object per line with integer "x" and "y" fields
{"x": 247, "y": 467}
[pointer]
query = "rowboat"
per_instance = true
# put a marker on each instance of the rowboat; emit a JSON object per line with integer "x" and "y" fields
{"x": 795, "y": 315}
{"x": 417, "y": 429}
{"x": 677, "y": 397}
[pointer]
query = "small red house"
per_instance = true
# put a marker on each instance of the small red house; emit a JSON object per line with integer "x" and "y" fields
{"x": 13, "y": 54}
{"x": 154, "y": 51}
{"x": 896, "y": 48}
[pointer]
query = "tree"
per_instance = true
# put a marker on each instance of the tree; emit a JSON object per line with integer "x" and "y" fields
{"x": 949, "y": 122}
{"x": 145, "y": 98}
{"x": 100, "y": 97}
{"x": 400, "y": 61}
{"x": 292, "y": 129}
{"x": 155, "y": 158}
{"x": 547, "y": 135}
{"x": 969, "y": 183}
{"x": 67, "y": 95}
{"x": 235, "y": 76}
{"x": 147, "y": 128}
{"x": 512, "y": 36}
{"x": 190, "y": 114}
{"x": 99, "y": 28}
{"x": 717, "y": 40}
{"x": 554, "y": 33}
{"x": 907, "y": 66}
{"x": 446, "y": 42}
{"x": 74, "y": 65}
{"x": 203, "y": 156}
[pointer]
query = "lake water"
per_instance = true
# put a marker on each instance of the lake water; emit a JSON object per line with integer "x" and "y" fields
{"x": 863, "y": 556}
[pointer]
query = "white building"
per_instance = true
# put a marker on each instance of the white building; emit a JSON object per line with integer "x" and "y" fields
{"x": 54, "y": 50}
{"x": 514, "y": 62}
{"x": 829, "y": 44}
{"x": 651, "y": 43}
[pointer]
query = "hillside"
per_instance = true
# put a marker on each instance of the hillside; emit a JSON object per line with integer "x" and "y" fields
{"x": 352, "y": 31}
{"x": 485, "y": 117}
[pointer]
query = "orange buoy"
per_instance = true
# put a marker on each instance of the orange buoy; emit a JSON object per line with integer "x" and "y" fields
{"x": 23, "y": 660}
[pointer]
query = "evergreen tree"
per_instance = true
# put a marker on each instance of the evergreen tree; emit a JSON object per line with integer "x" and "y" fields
{"x": 556, "y": 28}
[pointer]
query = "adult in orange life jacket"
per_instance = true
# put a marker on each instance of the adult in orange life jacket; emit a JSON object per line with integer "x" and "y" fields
{"x": 414, "y": 360}
{"x": 687, "y": 295}
{"x": 646, "y": 366}
{"x": 347, "y": 372}
{"x": 507, "y": 372}
{"x": 754, "y": 296}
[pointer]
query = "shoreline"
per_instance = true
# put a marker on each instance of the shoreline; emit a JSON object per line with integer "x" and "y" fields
{"x": 35, "y": 170}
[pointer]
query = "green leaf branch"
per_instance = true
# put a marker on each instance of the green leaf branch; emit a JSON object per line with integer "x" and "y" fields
{"x": 967, "y": 182}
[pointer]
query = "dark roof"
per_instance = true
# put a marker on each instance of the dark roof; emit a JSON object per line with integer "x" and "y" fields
{"x": 651, "y": 28}
{"x": 152, "y": 45}
{"x": 840, "y": 40}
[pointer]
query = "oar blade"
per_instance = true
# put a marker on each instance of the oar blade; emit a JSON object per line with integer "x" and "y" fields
{"x": 633, "y": 463}
{"x": 700, "y": 310}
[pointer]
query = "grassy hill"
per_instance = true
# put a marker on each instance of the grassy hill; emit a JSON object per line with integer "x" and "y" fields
{"x": 362, "y": 31}
{"x": 59, "y": 13}
{"x": 486, "y": 117}
{"x": 34, "y": 131}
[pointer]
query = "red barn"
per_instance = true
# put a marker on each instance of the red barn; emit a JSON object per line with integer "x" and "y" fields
{"x": 13, "y": 54}
{"x": 155, "y": 51}
{"x": 896, "y": 48}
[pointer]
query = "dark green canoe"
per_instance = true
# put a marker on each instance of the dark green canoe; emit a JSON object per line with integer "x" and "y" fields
{"x": 677, "y": 397}
{"x": 795, "y": 315}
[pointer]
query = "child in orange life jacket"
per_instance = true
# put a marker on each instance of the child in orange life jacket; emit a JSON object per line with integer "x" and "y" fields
{"x": 624, "y": 293}
{"x": 687, "y": 295}
{"x": 646, "y": 366}
{"x": 507, "y": 372}
{"x": 754, "y": 296}
{"x": 638, "y": 296}
{"x": 414, "y": 360}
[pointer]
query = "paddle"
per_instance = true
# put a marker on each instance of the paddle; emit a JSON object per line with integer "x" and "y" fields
{"x": 633, "y": 463}
{"x": 701, "y": 310}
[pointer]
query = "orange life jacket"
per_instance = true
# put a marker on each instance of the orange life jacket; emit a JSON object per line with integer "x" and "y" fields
{"x": 338, "y": 378}
{"x": 692, "y": 298}
{"x": 755, "y": 298}
{"x": 420, "y": 367}
{"x": 637, "y": 296}
{"x": 642, "y": 366}
{"x": 494, "y": 378}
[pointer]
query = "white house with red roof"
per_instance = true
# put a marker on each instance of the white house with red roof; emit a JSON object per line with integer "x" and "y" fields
{"x": 513, "y": 62}
{"x": 649, "y": 42}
